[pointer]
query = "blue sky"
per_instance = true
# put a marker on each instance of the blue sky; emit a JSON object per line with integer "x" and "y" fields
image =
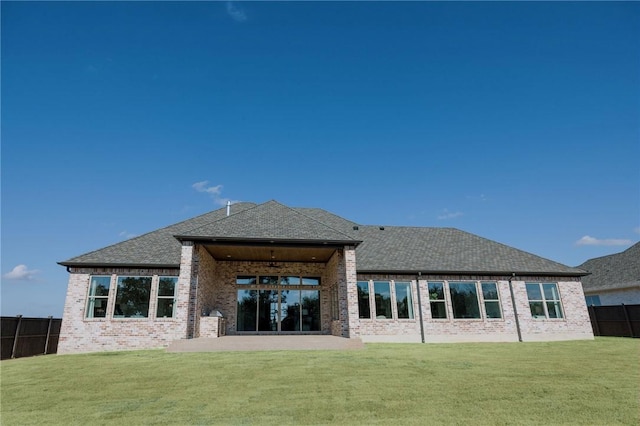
{"x": 519, "y": 122}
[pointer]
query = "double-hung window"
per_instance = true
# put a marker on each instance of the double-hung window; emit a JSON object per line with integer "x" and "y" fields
{"x": 491, "y": 300}
{"x": 166, "y": 306}
{"x": 544, "y": 300}
{"x": 437, "y": 301}
{"x": 98, "y": 297}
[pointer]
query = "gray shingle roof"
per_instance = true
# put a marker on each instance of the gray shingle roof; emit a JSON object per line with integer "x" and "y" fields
{"x": 616, "y": 271}
{"x": 399, "y": 248}
{"x": 394, "y": 249}
{"x": 157, "y": 248}
{"x": 270, "y": 220}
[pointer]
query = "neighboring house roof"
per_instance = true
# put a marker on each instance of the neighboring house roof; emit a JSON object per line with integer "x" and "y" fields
{"x": 379, "y": 249}
{"x": 613, "y": 272}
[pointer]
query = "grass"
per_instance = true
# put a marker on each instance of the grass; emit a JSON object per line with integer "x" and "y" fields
{"x": 581, "y": 382}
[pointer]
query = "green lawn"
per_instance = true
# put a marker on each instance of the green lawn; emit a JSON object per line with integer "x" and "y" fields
{"x": 584, "y": 382}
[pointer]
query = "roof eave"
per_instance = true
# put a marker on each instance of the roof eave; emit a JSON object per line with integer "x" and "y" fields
{"x": 453, "y": 272}
{"x": 267, "y": 241}
{"x": 120, "y": 265}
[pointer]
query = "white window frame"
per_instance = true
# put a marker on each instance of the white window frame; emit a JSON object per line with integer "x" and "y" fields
{"x": 484, "y": 301}
{"x": 545, "y": 301}
{"x": 159, "y": 297}
{"x": 91, "y": 299}
{"x": 373, "y": 314}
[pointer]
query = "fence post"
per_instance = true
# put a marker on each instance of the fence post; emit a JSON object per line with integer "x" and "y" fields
{"x": 15, "y": 336}
{"x": 592, "y": 310}
{"x": 626, "y": 317}
{"x": 46, "y": 343}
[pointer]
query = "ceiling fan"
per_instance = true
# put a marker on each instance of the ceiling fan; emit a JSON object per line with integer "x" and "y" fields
{"x": 272, "y": 262}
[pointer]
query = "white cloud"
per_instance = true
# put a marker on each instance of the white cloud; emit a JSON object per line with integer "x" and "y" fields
{"x": 591, "y": 241}
{"x": 446, "y": 214}
{"x": 127, "y": 235}
{"x": 202, "y": 187}
{"x": 236, "y": 13}
{"x": 21, "y": 273}
{"x": 636, "y": 230}
{"x": 214, "y": 191}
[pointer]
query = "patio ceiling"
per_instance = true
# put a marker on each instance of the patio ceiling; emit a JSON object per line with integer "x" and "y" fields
{"x": 269, "y": 253}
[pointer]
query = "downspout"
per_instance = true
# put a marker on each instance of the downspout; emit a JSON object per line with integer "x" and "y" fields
{"x": 420, "y": 307}
{"x": 515, "y": 310}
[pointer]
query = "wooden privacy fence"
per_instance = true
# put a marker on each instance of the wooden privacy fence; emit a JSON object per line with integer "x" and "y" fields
{"x": 615, "y": 320}
{"x": 28, "y": 336}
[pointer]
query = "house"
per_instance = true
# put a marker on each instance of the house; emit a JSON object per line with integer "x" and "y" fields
{"x": 613, "y": 279}
{"x": 273, "y": 269}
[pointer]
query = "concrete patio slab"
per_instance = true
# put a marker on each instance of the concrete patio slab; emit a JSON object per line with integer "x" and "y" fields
{"x": 265, "y": 343}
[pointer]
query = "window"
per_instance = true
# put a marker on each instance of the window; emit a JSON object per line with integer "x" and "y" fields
{"x": 491, "y": 300}
{"x": 382, "y": 292}
{"x": 132, "y": 297}
{"x": 403, "y": 300}
{"x": 98, "y": 297}
{"x": 544, "y": 300}
{"x": 593, "y": 300}
{"x": 363, "y": 299}
{"x": 464, "y": 300}
{"x": 436, "y": 300}
{"x": 310, "y": 281}
{"x": 268, "y": 280}
{"x": 245, "y": 280}
{"x": 289, "y": 280}
{"x": 166, "y": 297}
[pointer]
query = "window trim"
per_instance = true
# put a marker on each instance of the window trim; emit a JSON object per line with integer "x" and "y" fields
{"x": 544, "y": 301}
{"x": 107, "y": 298}
{"x": 480, "y": 316}
{"x": 158, "y": 296}
{"x": 484, "y": 301}
{"x": 445, "y": 290}
{"x": 448, "y": 303}
{"x": 148, "y": 317}
{"x": 373, "y": 314}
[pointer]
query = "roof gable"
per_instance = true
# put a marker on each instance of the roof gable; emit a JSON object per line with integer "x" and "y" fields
{"x": 268, "y": 221}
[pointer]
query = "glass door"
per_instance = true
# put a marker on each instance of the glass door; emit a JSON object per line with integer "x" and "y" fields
{"x": 278, "y": 308}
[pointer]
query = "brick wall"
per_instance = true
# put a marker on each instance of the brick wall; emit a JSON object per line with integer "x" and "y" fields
{"x": 80, "y": 334}
{"x": 574, "y": 325}
{"x": 207, "y": 285}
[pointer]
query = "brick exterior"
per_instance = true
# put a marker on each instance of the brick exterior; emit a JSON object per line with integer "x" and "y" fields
{"x": 79, "y": 334}
{"x": 574, "y": 325}
{"x": 206, "y": 285}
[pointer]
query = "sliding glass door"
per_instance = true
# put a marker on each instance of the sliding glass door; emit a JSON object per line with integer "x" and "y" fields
{"x": 282, "y": 310}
